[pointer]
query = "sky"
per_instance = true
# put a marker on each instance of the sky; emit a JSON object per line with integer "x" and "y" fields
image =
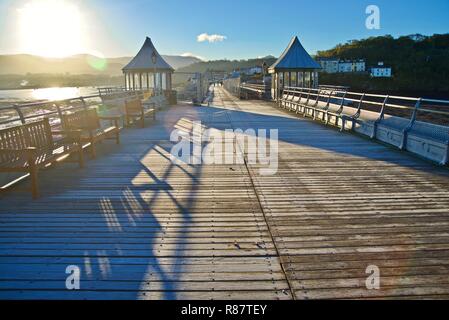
{"x": 232, "y": 29}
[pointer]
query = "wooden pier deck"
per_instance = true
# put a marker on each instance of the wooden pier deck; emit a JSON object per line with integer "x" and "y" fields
{"x": 141, "y": 227}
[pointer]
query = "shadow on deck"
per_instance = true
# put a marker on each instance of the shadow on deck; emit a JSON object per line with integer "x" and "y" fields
{"x": 141, "y": 227}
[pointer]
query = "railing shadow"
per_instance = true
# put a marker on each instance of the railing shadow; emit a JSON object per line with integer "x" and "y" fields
{"x": 123, "y": 206}
{"x": 296, "y": 130}
{"x": 110, "y": 219}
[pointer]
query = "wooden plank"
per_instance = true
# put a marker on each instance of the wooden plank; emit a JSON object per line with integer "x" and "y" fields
{"x": 141, "y": 227}
{"x": 339, "y": 203}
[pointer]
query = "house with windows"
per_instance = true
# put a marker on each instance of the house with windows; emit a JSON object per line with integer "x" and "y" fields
{"x": 336, "y": 65}
{"x": 381, "y": 71}
{"x": 251, "y": 71}
{"x": 329, "y": 65}
{"x": 346, "y": 66}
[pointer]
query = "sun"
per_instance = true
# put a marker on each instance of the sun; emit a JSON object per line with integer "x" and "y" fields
{"x": 51, "y": 28}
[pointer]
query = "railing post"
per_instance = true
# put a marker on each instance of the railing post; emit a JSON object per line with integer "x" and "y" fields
{"x": 299, "y": 101}
{"x": 306, "y": 105}
{"x": 20, "y": 113}
{"x": 379, "y": 119}
{"x": 293, "y": 93}
{"x": 329, "y": 99}
{"x": 316, "y": 104}
{"x": 357, "y": 114}
{"x": 409, "y": 126}
{"x": 340, "y": 110}
{"x": 327, "y": 105}
{"x": 84, "y": 103}
{"x": 58, "y": 108}
{"x": 359, "y": 108}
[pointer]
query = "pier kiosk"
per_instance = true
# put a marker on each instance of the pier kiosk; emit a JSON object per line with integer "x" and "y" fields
{"x": 294, "y": 68}
{"x": 149, "y": 71}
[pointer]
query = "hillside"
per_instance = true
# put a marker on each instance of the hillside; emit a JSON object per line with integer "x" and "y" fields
{"x": 79, "y": 64}
{"x": 420, "y": 63}
{"x": 227, "y": 65}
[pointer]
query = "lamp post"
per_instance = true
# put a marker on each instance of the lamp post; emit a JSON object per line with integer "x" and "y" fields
{"x": 154, "y": 60}
{"x": 264, "y": 68}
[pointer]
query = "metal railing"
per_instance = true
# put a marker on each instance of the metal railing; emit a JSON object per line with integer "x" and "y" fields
{"x": 331, "y": 87}
{"x": 419, "y": 125}
{"x": 25, "y": 112}
{"x": 428, "y": 110}
{"x": 110, "y": 90}
{"x": 261, "y": 90}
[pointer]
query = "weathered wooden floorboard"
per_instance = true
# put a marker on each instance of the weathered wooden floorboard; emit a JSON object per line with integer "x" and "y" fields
{"x": 339, "y": 203}
{"x": 141, "y": 227}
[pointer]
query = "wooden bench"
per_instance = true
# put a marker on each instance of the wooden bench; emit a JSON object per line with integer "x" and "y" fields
{"x": 30, "y": 147}
{"x": 135, "y": 110}
{"x": 88, "y": 121}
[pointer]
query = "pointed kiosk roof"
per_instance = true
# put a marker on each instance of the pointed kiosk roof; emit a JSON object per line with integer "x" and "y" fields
{"x": 143, "y": 60}
{"x": 294, "y": 57}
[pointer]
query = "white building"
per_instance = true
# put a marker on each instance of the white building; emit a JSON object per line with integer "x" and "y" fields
{"x": 329, "y": 65}
{"x": 381, "y": 71}
{"x": 250, "y": 71}
{"x": 359, "y": 65}
{"x": 345, "y": 66}
{"x": 335, "y": 65}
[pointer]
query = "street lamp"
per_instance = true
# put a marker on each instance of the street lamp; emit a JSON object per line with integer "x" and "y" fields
{"x": 154, "y": 60}
{"x": 264, "y": 69}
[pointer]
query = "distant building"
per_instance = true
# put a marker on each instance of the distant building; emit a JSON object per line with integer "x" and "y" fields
{"x": 381, "y": 71}
{"x": 329, "y": 65}
{"x": 335, "y": 65}
{"x": 345, "y": 66}
{"x": 250, "y": 71}
{"x": 359, "y": 65}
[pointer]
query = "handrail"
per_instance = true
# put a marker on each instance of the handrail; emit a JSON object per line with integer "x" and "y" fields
{"x": 425, "y": 120}
{"x": 257, "y": 88}
{"x": 57, "y": 105}
{"x": 39, "y": 103}
{"x": 332, "y": 87}
{"x": 22, "y": 118}
{"x": 252, "y": 86}
{"x": 393, "y": 102}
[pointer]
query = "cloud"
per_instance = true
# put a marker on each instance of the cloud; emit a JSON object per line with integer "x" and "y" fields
{"x": 210, "y": 37}
{"x": 189, "y": 54}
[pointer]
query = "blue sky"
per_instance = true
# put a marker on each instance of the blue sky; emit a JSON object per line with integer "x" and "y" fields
{"x": 252, "y": 27}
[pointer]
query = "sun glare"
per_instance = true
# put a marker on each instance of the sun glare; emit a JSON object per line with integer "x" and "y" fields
{"x": 55, "y": 93}
{"x": 51, "y": 28}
